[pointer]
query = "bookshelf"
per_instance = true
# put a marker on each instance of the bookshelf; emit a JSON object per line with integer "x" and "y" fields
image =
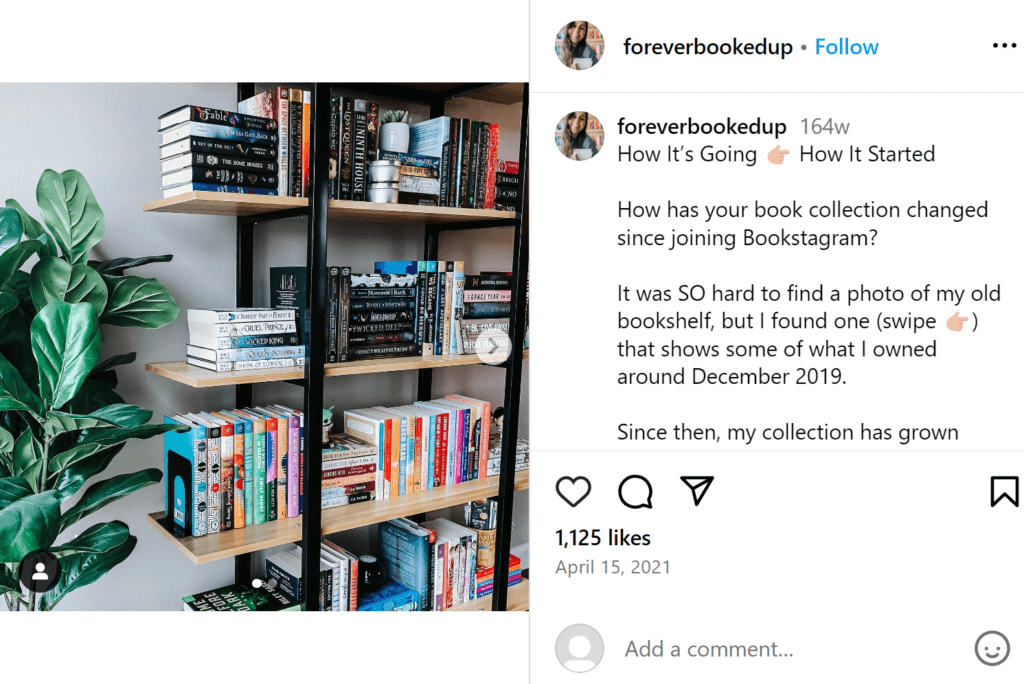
{"x": 233, "y": 543}
{"x": 251, "y": 211}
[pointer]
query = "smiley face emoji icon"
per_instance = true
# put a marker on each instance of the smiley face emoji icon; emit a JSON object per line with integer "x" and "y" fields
{"x": 992, "y": 648}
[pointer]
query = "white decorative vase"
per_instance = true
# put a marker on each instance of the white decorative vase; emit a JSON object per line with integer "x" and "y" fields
{"x": 394, "y": 137}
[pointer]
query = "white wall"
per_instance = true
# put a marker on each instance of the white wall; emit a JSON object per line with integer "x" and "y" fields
{"x": 108, "y": 132}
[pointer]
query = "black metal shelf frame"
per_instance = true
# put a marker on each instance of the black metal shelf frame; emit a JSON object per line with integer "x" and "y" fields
{"x": 316, "y": 270}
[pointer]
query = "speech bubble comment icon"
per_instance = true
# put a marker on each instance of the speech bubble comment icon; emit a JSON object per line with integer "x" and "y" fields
{"x": 635, "y": 492}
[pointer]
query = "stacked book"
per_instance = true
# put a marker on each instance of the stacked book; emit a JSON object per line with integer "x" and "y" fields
{"x": 213, "y": 150}
{"x": 289, "y": 109}
{"x": 438, "y": 302}
{"x": 349, "y": 471}
{"x": 494, "y": 455}
{"x": 507, "y": 188}
{"x": 485, "y": 576}
{"x": 468, "y": 154}
{"x": 486, "y": 306}
{"x": 383, "y": 315}
{"x": 424, "y": 445}
{"x": 243, "y": 339}
{"x": 419, "y": 178}
{"x": 237, "y": 597}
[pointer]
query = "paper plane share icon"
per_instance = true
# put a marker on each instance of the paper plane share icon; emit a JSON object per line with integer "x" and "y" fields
{"x": 698, "y": 486}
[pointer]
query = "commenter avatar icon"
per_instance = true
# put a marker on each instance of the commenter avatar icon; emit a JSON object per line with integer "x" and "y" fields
{"x": 579, "y": 648}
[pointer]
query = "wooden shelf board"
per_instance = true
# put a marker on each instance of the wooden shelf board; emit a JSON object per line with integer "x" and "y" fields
{"x": 232, "y": 543}
{"x": 194, "y": 376}
{"x": 234, "y": 204}
{"x": 518, "y": 600}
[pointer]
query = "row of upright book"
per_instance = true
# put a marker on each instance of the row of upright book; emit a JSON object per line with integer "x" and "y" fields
{"x": 241, "y": 467}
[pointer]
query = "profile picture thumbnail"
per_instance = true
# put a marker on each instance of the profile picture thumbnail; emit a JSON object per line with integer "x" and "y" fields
{"x": 579, "y": 136}
{"x": 579, "y": 45}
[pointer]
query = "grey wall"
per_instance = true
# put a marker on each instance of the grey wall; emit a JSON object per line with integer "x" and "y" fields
{"x": 108, "y": 132}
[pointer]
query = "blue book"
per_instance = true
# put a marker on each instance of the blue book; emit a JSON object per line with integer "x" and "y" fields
{"x": 391, "y": 596}
{"x": 203, "y": 129}
{"x": 395, "y": 267}
{"x": 405, "y": 549}
{"x": 216, "y": 187}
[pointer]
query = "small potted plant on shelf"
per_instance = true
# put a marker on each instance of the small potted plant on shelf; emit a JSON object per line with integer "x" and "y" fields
{"x": 61, "y": 422}
{"x": 328, "y": 423}
{"x": 394, "y": 133}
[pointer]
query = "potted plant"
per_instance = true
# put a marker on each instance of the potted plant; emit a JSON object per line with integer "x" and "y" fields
{"x": 61, "y": 422}
{"x": 394, "y": 132}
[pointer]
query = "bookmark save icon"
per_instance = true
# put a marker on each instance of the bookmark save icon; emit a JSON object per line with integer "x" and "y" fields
{"x": 698, "y": 486}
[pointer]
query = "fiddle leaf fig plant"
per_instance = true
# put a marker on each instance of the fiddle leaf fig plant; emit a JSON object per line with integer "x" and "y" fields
{"x": 61, "y": 420}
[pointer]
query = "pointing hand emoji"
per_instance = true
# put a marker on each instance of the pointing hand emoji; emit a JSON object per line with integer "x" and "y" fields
{"x": 777, "y": 156}
{"x": 956, "y": 323}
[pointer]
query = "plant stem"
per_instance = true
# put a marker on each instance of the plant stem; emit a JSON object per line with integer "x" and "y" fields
{"x": 46, "y": 464}
{"x": 32, "y": 600}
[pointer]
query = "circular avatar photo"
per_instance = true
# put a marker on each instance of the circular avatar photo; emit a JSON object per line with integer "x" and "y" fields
{"x": 579, "y": 136}
{"x": 579, "y": 45}
{"x": 579, "y": 648}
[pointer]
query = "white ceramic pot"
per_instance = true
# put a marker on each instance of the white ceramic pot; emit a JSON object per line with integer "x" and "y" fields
{"x": 394, "y": 137}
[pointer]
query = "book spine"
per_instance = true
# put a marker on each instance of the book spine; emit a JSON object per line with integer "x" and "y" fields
{"x": 346, "y": 149}
{"x": 335, "y": 146}
{"x": 213, "y": 161}
{"x": 223, "y": 117}
{"x": 225, "y": 177}
{"x": 487, "y": 310}
{"x": 420, "y": 320}
{"x": 479, "y": 296}
{"x": 336, "y": 500}
{"x": 306, "y": 140}
{"x": 354, "y": 579}
{"x": 458, "y": 294}
{"x": 418, "y": 482}
{"x": 344, "y": 311}
{"x": 464, "y": 164}
{"x": 506, "y": 194}
{"x": 283, "y": 106}
{"x": 442, "y": 267}
{"x": 506, "y": 179}
{"x": 449, "y": 295}
{"x": 490, "y": 180}
{"x": 259, "y": 480}
{"x": 359, "y": 151}
{"x": 382, "y": 350}
{"x": 467, "y": 445}
{"x": 453, "y": 167}
{"x": 213, "y": 494}
{"x": 238, "y": 189}
{"x": 371, "y": 328}
{"x": 411, "y": 160}
{"x": 216, "y": 132}
{"x": 330, "y": 472}
{"x": 483, "y": 142}
{"x": 247, "y": 341}
{"x": 396, "y": 456}
{"x": 372, "y": 281}
{"x": 293, "y": 466}
{"x": 431, "y": 309}
{"x": 383, "y": 292}
{"x": 332, "y": 313}
{"x": 302, "y": 462}
{"x": 295, "y": 143}
{"x": 474, "y": 164}
{"x": 508, "y": 167}
{"x": 198, "y": 145}
{"x": 199, "y": 484}
{"x": 387, "y": 304}
{"x": 227, "y": 476}
{"x": 250, "y": 474}
{"x": 362, "y": 317}
{"x": 443, "y": 459}
{"x": 239, "y": 474}
{"x": 380, "y": 338}
{"x": 271, "y": 482}
{"x": 372, "y": 130}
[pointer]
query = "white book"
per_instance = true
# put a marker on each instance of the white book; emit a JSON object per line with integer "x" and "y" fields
{"x": 340, "y": 584}
{"x": 242, "y": 329}
{"x": 245, "y": 354}
{"x": 243, "y": 315}
{"x": 213, "y": 465}
{"x": 467, "y": 578}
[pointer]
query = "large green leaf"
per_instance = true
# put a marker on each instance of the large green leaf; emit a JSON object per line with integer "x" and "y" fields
{"x": 8, "y": 303}
{"x": 92, "y": 396}
{"x": 66, "y": 343}
{"x": 10, "y": 229}
{"x": 71, "y": 212}
{"x": 29, "y": 524}
{"x": 16, "y": 389}
{"x": 100, "y": 439}
{"x": 28, "y": 457}
{"x": 102, "y": 493}
{"x": 96, "y": 539}
{"x": 8, "y": 581}
{"x": 34, "y": 229}
{"x": 12, "y": 489}
{"x": 13, "y": 259}
{"x": 115, "y": 415}
{"x": 55, "y": 280}
{"x": 113, "y": 361}
{"x": 76, "y": 475}
{"x": 83, "y": 569}
{"x": 138, "y": 302}
{"x": 117, "y": 267}
{"x": 6, "y": 441}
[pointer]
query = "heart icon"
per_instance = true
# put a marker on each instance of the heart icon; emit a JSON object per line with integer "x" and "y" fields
{"x": 573, "y": 490}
